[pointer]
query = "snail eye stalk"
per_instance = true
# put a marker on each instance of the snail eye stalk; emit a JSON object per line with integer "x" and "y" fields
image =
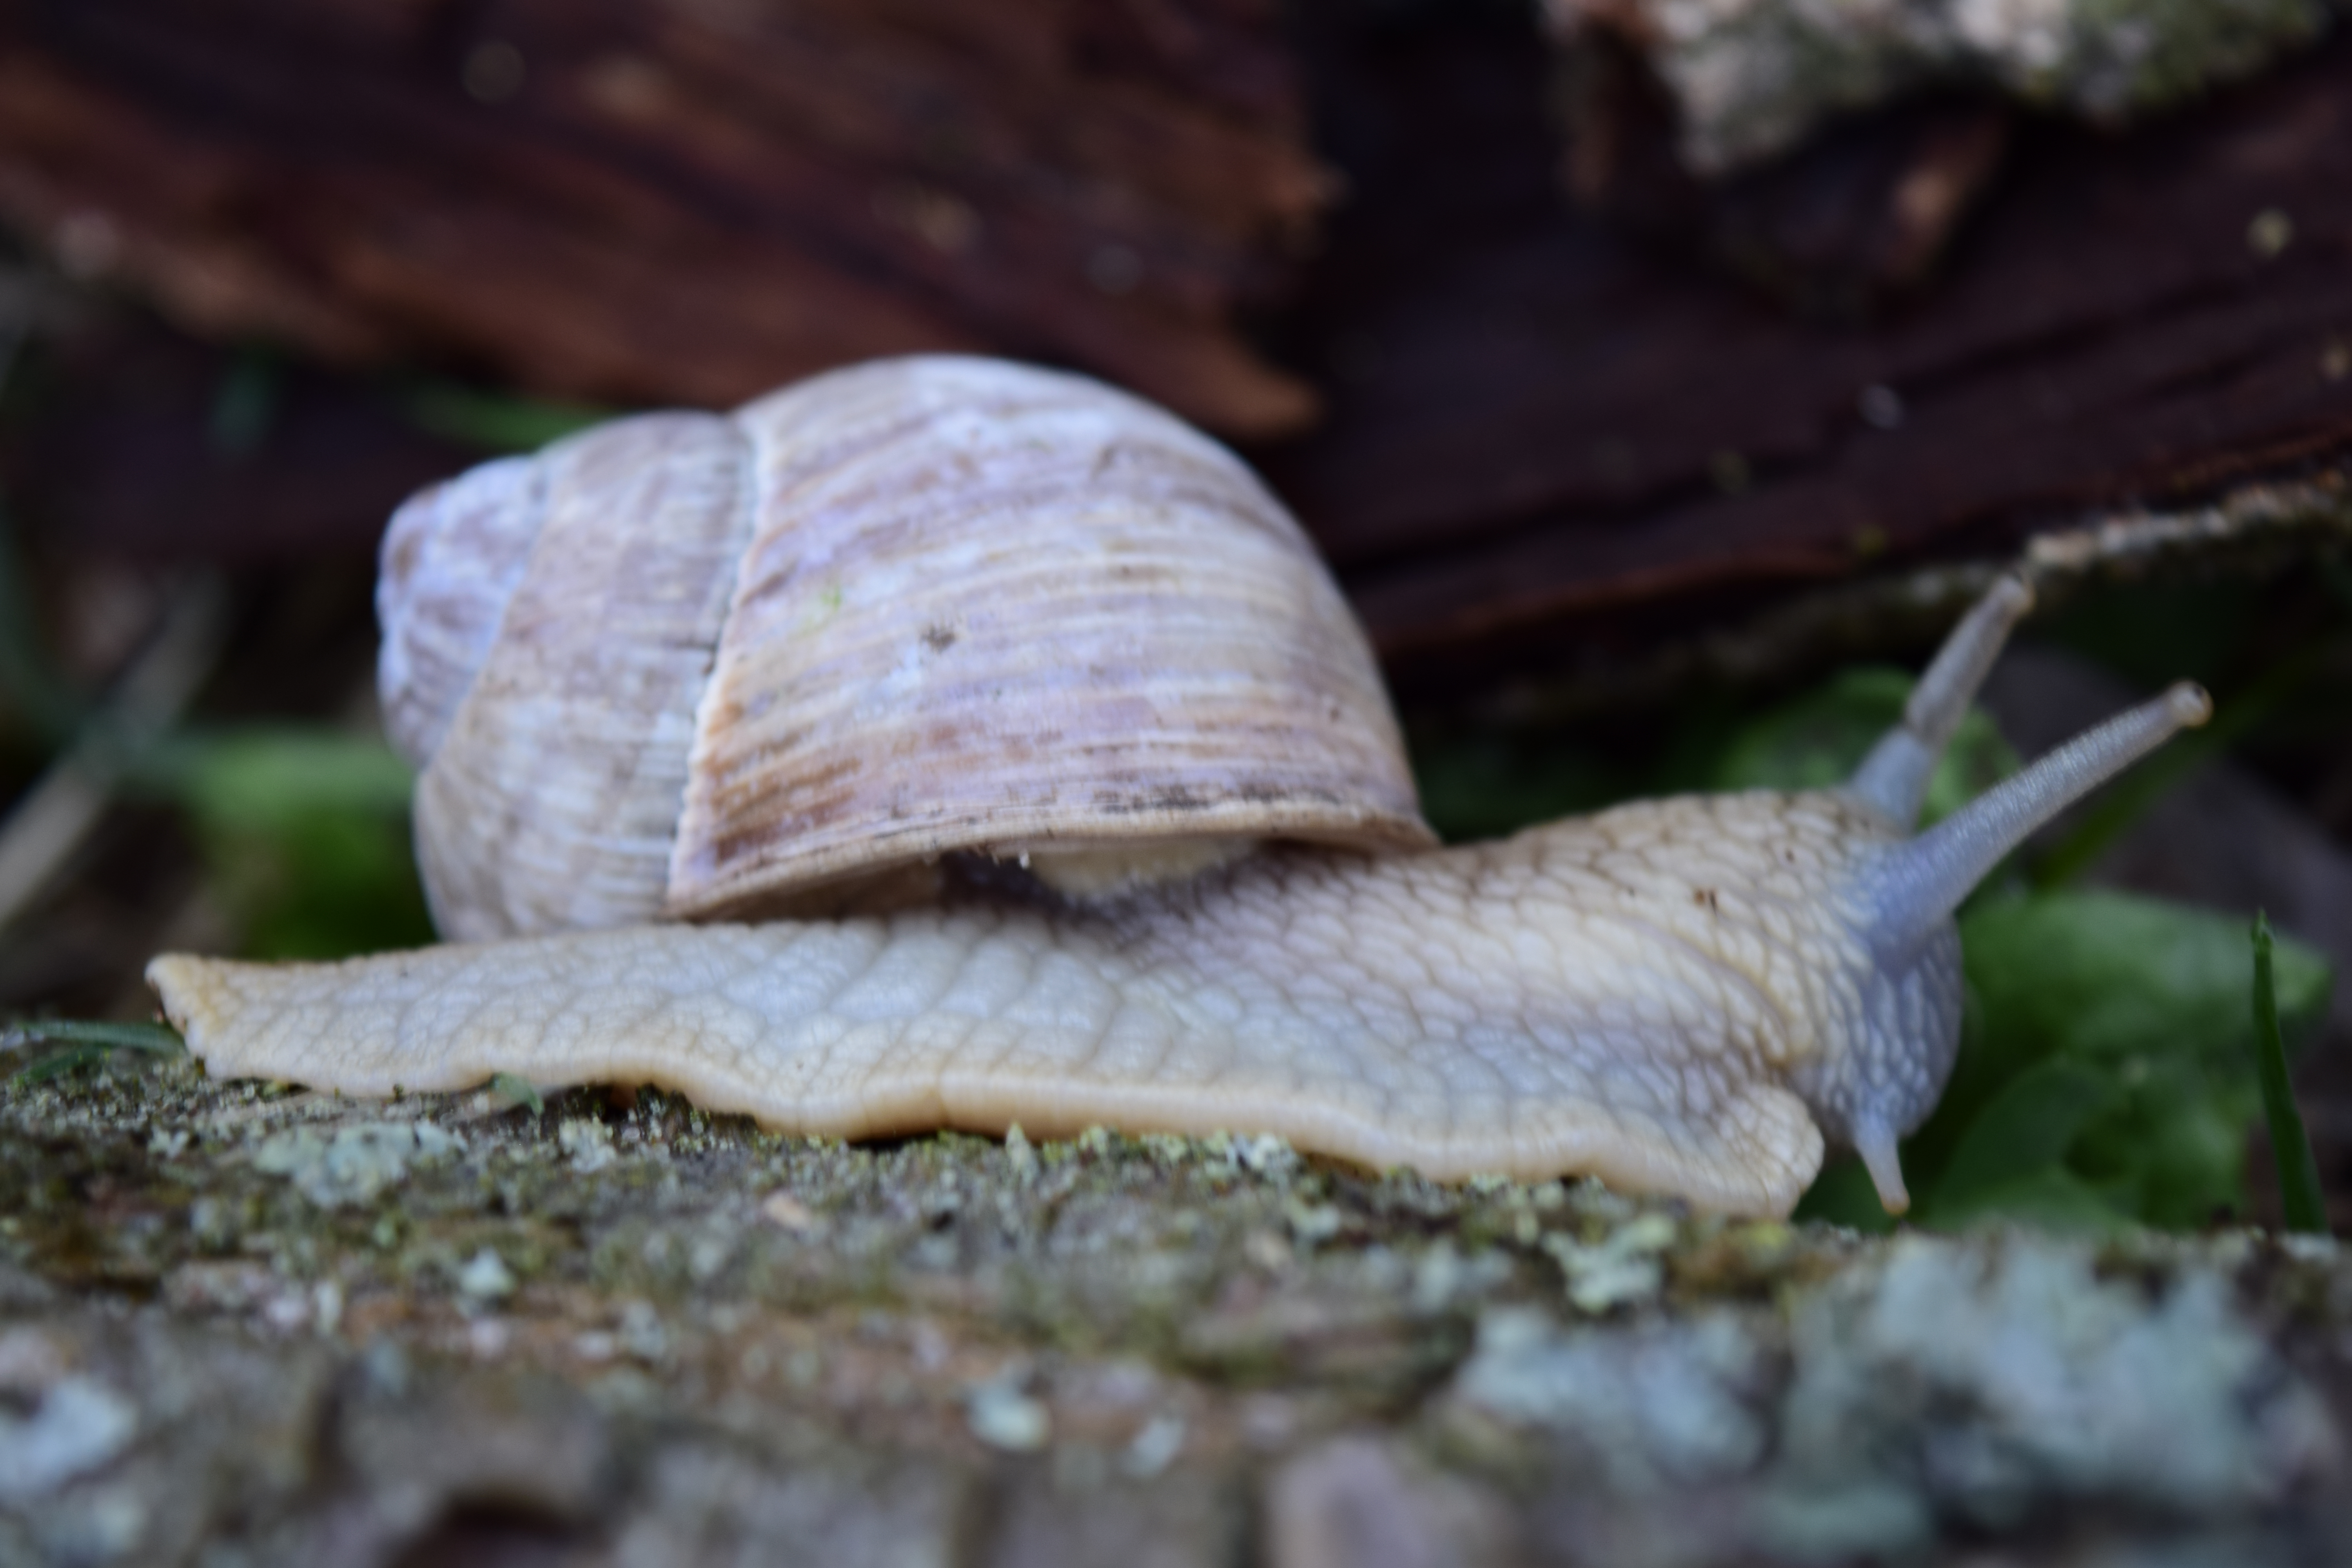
{"x": 1916, "y": 885}
{"x": 1904, "y": 893}
{"x": 1894, "y": 778}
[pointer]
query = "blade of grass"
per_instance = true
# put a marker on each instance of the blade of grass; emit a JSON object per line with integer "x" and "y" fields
{"x": 57, "y": 1064}
{"x": 517, "y": 1091}
{"x": 2298, "y": 1173}
{"x": 492, "y": 421}
{"x": 156, "y": 1039}
{"x": 87, "y": 1043}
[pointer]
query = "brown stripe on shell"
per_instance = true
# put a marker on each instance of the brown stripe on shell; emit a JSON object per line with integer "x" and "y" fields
{"x": 554, "y": 801}
{"x": 451, "y": 557}
{"x": 992, "y": 607}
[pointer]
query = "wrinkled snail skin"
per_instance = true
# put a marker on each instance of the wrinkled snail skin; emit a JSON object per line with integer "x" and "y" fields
{"x": 1625, "y": 995}
{"x": 1693, "y": 996}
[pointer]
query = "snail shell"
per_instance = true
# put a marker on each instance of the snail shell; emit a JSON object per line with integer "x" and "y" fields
{"x": 919, "y": 607}
{"x": 686, "y": 665}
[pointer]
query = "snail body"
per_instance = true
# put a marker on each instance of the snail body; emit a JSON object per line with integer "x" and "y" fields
{"x": 1374, "y": 1008}
{"x": 1693, "y": 995}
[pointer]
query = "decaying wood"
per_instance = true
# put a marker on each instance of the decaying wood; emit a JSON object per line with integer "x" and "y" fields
{"x": 1857, "y": 219}
{"x": 1535, "y": 416}
{"x": 235, "y": 1322}
{"x": 1543, "y": 419}
{"x": 688, "y": 202}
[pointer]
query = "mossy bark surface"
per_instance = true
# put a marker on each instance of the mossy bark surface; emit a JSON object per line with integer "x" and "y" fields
{"x": 245, "y": 1324}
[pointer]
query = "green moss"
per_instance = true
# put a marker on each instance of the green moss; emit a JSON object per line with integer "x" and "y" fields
{"x": 1754, "y": 80}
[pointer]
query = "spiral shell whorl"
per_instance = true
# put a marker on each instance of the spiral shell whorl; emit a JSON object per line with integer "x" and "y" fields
{"x": 989, "y": 607}
{"x": 553, "y": 800}
{"x": 451, "y": 557}
{"x": 908, "y": 608}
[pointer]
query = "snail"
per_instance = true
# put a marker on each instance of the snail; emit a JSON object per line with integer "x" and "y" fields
{"x": 945, "y": 743}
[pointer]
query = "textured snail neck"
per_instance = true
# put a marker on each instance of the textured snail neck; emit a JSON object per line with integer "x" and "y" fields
{"x": 1624, "y": 995}
{"x": 1903, "y": 895}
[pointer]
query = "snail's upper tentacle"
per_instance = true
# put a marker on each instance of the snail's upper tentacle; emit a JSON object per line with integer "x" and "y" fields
{"x": 1894, "y": 777}
{"x": 1914, "y": 887}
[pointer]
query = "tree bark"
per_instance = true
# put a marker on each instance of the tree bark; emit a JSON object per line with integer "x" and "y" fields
{"x": 235, "y": 1320}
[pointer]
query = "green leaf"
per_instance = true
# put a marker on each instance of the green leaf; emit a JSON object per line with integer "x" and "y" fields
{"x": 2114, "y": 975}
{"x": 53, "y": 1064}
{"x": 2107, "y": 1070}
{"x": 254, "y": 778}
{"x": 496, "y": 421}
{"x": 1844, "y": 1195}
{"x": 155, "y": 1039}
{"x": 87, "y": 1043}
{"x": 2053, "y": 1198}
{"x": 320, "y": 884}
{"x": 2152, "y": 995}
{"x": 1817, "y": 740}
{"x": 1484, "y": 786}
{"x": 517, "y": 1091}
{"x": 306, "y": 836}
{"x": 2019, "y": 1139}
{"x": 2022, "y": 1133}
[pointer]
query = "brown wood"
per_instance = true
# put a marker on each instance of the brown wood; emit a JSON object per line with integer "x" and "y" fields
{"x": 1545, "y": 421}
{"x": 1535, "y": 415}
{"x": 681, "y": 201}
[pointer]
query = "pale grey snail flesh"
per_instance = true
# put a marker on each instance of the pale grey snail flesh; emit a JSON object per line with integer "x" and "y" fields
{"x": 1691, "y": 996}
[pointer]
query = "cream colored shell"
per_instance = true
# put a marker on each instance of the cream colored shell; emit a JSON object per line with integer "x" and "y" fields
{"x": 693, "y": 665}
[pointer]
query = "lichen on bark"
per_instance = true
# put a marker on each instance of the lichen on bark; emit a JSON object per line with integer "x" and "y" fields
{"x": 1750, "y": 78}
{"x": 241, "y": 1319}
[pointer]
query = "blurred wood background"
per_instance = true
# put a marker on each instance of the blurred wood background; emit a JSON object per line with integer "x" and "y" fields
{"x": 1558, "y": 414}
{"x": 1508, "y": 364}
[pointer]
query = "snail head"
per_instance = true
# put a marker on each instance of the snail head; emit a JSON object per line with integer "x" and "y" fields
{"x": 1902, "y": 891}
